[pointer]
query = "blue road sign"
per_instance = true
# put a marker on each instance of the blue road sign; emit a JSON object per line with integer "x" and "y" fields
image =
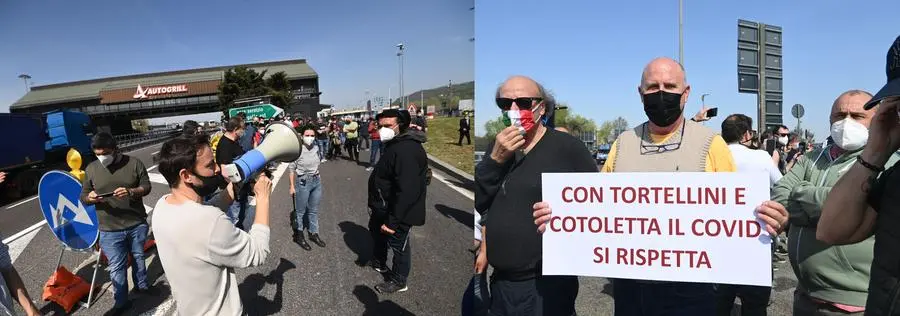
{"x": 72, "y": 222}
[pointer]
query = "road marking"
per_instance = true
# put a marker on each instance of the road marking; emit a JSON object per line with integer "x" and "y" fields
{"x": 24, "y": 232}
{"x": 17, "y": 244}
{"x": 152, "y": 167}
{"x": 22, "y": 202}
{"x": 462, "y": 191}
{"x": 278, "y": 173}
{"x": 158, "y": 178}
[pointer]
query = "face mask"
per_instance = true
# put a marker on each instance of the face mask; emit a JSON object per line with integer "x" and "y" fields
{"x": 308, "y": 140}
{"x": 386, "y": 134}
{"x": 106, "y": 160}
{"x": 209, "y": 185}
{"x": 523, "y": 119}
{"x": 848, "y": 134}
{"x": 662, "y": 108}
{"x": 783, "y": 140}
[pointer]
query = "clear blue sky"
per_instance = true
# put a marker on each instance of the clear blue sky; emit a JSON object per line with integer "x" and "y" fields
{"x": 351, "y": 44}
{"x": 591, "y": 53}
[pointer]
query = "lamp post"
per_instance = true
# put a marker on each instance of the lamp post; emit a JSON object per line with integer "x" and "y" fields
{"x": 25, "y": 77}
{"x": 681, "y": 32}
{"x": 400, "y": 61}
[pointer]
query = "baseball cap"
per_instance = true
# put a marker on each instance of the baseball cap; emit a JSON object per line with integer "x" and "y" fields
{"x": 892, "y": 68}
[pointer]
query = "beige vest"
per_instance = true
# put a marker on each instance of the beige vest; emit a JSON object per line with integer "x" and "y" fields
{"x": 689, "y": 157}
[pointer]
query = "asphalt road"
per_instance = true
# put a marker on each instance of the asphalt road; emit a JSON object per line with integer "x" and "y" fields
{"x": 324, "y": 281}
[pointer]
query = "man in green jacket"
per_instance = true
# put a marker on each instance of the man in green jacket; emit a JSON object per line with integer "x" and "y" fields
{"x": 832, "y": 280}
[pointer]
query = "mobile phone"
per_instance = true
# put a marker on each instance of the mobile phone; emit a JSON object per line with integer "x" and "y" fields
{"x": 105, "y": 195}
{"x": 770, "y": 146}
{"x": 712, "y": 112}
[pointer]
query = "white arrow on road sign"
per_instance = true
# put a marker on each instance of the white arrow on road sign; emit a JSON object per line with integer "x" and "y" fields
{"x": 62, "y": 203}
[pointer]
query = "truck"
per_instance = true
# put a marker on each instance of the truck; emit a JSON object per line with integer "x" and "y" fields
{"x": 32, "y": 144}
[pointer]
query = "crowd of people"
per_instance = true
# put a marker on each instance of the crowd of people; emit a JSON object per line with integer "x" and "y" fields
{"x": 832, "y": 201}
{"x": 207, "y": 226}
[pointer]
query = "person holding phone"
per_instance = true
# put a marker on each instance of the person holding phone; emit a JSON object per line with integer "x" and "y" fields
{"x": 115, "y": 184}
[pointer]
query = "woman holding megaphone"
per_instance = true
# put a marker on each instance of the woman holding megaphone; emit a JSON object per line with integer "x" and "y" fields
{"x": 306, "y": 189}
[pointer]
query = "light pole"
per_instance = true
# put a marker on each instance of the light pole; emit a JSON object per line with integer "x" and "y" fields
{"x": 400, "y": 60}
{"x": 703, "y": 99}
{"x": 681, "y": 32}
{"x": 25, "y": 78}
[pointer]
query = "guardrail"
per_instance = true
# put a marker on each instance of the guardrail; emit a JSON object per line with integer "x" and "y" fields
{"x": 138, "y": 140}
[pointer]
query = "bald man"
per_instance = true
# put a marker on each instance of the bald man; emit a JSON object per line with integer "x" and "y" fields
{"x": 666, "y": 142}
{"x": 832, "y": 280}
{"x": 508, "y": 183}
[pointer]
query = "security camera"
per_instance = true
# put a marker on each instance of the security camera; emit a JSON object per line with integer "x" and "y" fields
{"x": 400, "y": 46}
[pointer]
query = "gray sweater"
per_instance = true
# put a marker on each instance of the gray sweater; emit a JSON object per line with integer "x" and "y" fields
{"x": 199, "y": 248}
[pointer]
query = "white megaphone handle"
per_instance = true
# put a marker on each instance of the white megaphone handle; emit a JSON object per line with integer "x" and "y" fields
{"x": 232, "y": 173}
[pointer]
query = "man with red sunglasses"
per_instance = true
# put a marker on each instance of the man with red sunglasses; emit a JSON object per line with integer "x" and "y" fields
{"x": 508, "y": 183}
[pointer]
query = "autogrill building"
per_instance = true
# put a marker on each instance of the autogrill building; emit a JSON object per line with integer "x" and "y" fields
{"x": 116, "y": 101}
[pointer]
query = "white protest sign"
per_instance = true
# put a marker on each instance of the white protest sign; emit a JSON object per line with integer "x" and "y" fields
{"x": 689, "y": 227}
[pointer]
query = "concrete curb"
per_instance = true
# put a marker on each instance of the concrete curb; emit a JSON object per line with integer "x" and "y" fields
{"x": 468, "y": 181}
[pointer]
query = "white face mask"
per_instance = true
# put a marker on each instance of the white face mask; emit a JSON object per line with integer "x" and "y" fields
{"x": 848, "y": 134}
{"x": 106, "y": 160}
{"x": 308, "y": 140}
{"x": 386, "y": 134}
{"x": 783, "y": 140}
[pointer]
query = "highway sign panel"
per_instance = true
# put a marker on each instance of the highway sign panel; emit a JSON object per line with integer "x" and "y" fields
{"x": 797, "y": 111}
{"x": 267, "y": 111}
{"x": 72, "y": 222}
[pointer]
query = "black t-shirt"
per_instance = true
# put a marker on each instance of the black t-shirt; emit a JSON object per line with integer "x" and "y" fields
{"x": 508, "y": 192}
{"x": 227, "y": 151}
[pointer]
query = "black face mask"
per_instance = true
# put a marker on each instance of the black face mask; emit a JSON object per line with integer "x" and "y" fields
{"x": 209, "y": 185}
{"x": 662, "y": 108}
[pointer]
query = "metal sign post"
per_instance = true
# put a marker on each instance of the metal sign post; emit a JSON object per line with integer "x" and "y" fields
{"x": 74, "y": 224}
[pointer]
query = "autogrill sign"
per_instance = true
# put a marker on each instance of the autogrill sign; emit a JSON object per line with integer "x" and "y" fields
{"x": 142, "y": 93}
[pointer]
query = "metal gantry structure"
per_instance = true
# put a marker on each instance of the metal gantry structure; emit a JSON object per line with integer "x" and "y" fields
{"x": 759, "y": 69}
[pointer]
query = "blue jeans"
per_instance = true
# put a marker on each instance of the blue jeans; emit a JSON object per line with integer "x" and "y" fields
{"x": 306, "y": 200}
{"x": 323, "y": 147}
{"x": 375, "y": 152}
{"x": 117, "y": 245}
{"x": 242, "y": 214}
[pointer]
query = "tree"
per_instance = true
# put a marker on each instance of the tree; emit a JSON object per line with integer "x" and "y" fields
{"x": 142, "y": 125}
{"x": 604, "y": 132}
{"x": 280, "y": 89}
{"x": 493, "y": 127}
{"x": 240, "y": 82}
{"x": 576, "y": 124}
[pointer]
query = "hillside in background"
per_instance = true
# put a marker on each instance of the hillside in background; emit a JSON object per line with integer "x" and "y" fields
{"x": 437, "y": 96}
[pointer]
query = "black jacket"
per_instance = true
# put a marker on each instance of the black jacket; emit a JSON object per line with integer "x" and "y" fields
{"x": 397, "y": 184}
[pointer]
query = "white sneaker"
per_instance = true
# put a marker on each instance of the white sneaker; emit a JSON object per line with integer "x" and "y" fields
{"x": 370, "y": 169}
{"x": 324, "y": 160}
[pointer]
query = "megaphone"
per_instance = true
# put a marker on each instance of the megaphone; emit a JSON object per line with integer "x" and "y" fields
{"x": 281, "y": 144}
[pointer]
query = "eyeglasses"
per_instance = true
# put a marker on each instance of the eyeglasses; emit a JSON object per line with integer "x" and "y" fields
{"x": 522, "y": 103}
{"x": 653, "y": 149}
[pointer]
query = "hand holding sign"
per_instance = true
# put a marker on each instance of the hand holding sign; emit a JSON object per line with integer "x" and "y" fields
{"x": 774, "y": 215}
